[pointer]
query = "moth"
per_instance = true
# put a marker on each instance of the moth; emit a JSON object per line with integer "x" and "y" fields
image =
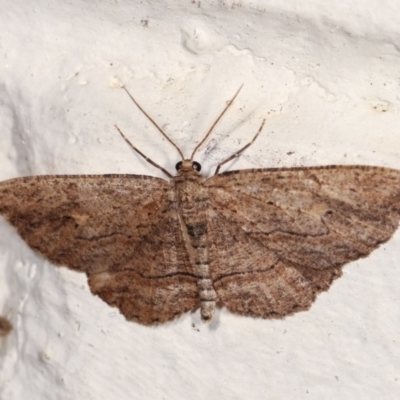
{"x": 260, "y": 242}
{"x": 5, "y": 326}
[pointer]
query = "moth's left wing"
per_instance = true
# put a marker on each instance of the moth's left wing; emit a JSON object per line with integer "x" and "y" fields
{"x": 300, "y": 225}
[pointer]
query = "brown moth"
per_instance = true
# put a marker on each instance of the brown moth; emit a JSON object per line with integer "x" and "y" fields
{"x": 260, "y": 242}
{"x": 5, "y": 326}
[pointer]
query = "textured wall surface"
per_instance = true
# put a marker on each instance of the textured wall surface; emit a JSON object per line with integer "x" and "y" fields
{"x": 325, "y": 76}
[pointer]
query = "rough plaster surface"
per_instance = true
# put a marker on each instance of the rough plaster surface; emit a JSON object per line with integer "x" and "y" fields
{"x": 325, "y": 75}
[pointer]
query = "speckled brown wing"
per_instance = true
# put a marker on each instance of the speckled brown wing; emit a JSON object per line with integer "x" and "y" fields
{"x": 278, "y": 237}
{"x": 122, "y": 230}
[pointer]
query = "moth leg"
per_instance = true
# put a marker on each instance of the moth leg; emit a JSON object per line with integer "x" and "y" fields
{"x": 150, "y": 161}
{"x": 239, "y": 152}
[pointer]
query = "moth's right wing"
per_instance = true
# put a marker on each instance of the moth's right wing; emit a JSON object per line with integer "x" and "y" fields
{"x": 122, "y": 230}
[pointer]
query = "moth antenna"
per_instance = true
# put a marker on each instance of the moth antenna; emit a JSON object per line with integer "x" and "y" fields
{"x": 149, "y": 160}
{"x": 216, "y": 122}
{"x": 154, "y": 123}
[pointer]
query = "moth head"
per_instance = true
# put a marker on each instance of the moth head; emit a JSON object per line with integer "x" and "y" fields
{"x": 188, "y": 165}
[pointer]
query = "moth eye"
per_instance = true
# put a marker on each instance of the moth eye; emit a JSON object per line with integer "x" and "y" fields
{"x": 178, "y": 166}
{"x": 196, "y": 166}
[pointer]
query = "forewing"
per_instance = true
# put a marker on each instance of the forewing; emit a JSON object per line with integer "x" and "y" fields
{"x": 122, "y": 230}
{"x": 300, "y": 226}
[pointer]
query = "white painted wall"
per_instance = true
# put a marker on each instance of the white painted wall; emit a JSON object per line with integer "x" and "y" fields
{"x": 325, "y": 75}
